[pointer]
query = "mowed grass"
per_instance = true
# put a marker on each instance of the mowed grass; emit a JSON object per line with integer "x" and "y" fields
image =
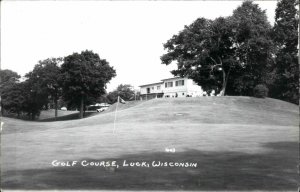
{"x": 239, "y": 143}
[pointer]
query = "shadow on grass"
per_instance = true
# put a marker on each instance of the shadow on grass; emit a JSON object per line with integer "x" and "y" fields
{"x": 275, "y": 170}
{"x": 69, "y": 117}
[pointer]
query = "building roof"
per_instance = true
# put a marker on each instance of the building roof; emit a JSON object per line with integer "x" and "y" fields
{"x": 159, "y": 83}
{"x": 162, "y": 81}
{"x": 173, "y": 78}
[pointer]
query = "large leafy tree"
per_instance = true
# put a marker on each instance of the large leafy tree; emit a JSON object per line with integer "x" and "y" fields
{"x": 13, "y": 98}
{"x": 18, "y": 97}
{"x": 45, "y": 76}
{"x": 8, "y": 76}
{"x": 36, "y": 98}
{"x": 203, "y": 52}
{"x": 226, "y": 54}
{"x": 23, "y": 97}
{"x": 84, "y": 76}
{"x": 254, "y": 48}
{"x": 285, "y": 36}
{"x": 8, "y": 79}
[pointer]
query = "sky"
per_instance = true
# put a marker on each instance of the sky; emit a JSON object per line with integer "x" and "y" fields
{"x": 128, "y": 34}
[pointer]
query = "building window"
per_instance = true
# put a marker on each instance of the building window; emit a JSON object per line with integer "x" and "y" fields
{"x": 152, "y": 88}
{"x": 169, "y": 84}
{"x": 158, "y": 87}
{"x": 179, "y": 83}
{"x": 148, "y": 90}
{"x": 182, "y": 93}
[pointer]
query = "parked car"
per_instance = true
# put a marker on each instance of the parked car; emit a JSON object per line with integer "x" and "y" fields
{"x": 102, "y": 109}
{"x": 63, "y": 109}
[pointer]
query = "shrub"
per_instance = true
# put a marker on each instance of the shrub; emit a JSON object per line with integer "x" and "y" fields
{"x": 260, "y": 91}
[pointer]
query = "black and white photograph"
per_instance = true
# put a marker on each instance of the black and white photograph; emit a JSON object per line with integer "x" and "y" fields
{"x": 196, "y": 95}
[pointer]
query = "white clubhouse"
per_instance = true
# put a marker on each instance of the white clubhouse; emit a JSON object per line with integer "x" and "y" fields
{"x": 171, "y": 87}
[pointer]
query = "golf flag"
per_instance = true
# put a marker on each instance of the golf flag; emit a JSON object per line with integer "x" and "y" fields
{"x": 121, "y": 100}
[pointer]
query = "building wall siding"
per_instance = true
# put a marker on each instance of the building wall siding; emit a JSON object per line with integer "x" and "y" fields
{"x": 155, "y": 90}
{"x": 189, "y": 88}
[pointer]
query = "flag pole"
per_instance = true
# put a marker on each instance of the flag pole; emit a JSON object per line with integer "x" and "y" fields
{"x": 116, "y": 115}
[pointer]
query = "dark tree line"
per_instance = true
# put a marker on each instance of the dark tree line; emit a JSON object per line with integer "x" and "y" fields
{"x": 78, "y": 79}
{"x": 240, "y": 53}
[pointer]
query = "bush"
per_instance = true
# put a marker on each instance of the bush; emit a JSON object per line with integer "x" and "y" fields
{"x": 260, "y": 91}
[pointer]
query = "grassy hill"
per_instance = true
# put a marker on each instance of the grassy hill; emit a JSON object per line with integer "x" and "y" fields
{"x": 239, "y": 143}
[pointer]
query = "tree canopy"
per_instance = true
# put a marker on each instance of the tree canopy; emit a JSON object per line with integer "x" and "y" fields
{"x": 8, "y": 80}
{"x": 45, "y": 79}
{"x": 8, "y": 76}
{"x": 23, "y": 97}
{"x": 229, "y": 54}
{"x": 285, "y": 36}
{"x": 84, "y": 77}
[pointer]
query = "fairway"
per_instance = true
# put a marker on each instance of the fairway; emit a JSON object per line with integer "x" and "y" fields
{"x": 238, "y": 143}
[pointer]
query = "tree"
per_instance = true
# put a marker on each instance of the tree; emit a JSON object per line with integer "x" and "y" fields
{"x": 285, "y": 36}
{"x": 13, "y": 98}
{"x": 202, "y": 51}
{"x": 35, "y": 97}
{"x": 8, "y": 79}
{"x": 217, "y": 53}
{"x": 254, "y": 48}
{"x": 18, "y": 97}
{"x": 45, "y": 75}
{"x": 8, "y": 76}
{"x": 84, "y": 76}
{"x": 125, "y": 91}
{"x": 112, "y": 97}
{"x": 103, "y": 99}
{"x": 23, "y": 97}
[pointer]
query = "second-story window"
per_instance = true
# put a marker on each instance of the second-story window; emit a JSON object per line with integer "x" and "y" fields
{"x": 170, "y": 84}
{"x": 179, "y": 83}
{"x": 158, "y": 87}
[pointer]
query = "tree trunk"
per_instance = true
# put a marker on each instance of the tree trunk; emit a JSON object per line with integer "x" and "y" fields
{"x": 84, "y": 109}
{"x": 81, "y": 107}
{"x": 222, "y": 93}
{"x": 55, "y": 106}
{"x": 1, "y": 107}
